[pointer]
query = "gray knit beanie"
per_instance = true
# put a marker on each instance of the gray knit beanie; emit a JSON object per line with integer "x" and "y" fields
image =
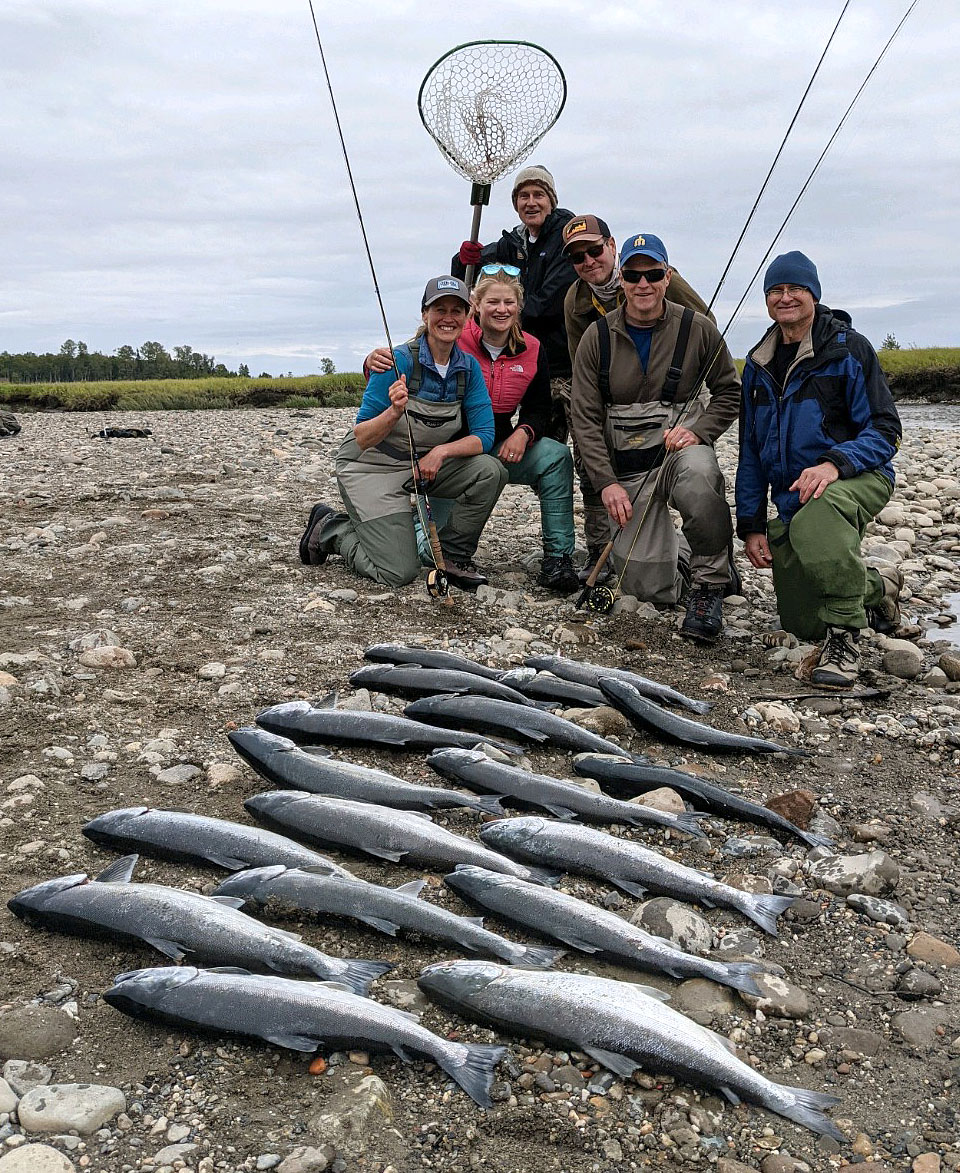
{"x": 535, "y": 174}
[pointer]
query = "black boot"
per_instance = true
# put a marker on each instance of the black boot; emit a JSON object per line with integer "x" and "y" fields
{"x": 704, "y": 617}
{"x": 312, "y": 550}
{"x": 557, "y": 574}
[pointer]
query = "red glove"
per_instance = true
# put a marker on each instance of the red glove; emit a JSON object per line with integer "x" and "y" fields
{"x": 470, "y": 252}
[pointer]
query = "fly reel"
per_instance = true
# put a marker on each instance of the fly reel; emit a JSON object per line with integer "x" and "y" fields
{"x": 600, "y": 600}
{"x": 438, "y": 585}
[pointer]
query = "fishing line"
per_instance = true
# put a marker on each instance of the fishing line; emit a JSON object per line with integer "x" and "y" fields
{"x": 776, "y": 158}
{"x": 436, "y": 579}
{"x": 603, "y": 597}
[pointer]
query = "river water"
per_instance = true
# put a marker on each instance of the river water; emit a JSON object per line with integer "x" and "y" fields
{"x": 944, "y": 417}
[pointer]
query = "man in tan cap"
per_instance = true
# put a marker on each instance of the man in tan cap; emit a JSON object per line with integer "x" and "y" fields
{"x": 597, "y": 291}
{"x": 533, "y": 251}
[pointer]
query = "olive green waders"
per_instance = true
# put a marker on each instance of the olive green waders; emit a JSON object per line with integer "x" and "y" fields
{"x": 819, "y": 574}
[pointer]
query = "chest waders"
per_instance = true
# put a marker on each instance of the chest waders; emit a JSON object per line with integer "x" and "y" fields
{"x": 644, "y": 551}
{"x": 377, "y": 481}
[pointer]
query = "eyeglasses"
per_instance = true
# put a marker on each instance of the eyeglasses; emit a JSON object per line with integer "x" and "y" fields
{"x": 635, "y": 276}
{"x": 493, "y": 270}
{"x": 779, "y": 291}
{"x": 593, "y": 250}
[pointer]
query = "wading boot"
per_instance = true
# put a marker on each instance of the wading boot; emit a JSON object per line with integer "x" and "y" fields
{"x": 593, "y": 557}
{"x": 313, "y": 552}
{"x": 464, "y": 574}
{"x": 885, "y": 617}
{"x": 704, "y": 617}
{"x": 557, "y": 573}
{"x": 839, "y": 663}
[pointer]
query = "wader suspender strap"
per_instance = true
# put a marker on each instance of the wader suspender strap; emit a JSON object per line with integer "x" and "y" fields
{"x": 416, "y": 375}
{"x": 671, "y": 384}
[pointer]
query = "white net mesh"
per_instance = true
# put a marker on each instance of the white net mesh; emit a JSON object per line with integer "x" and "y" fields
{"x": 488, "y": 104}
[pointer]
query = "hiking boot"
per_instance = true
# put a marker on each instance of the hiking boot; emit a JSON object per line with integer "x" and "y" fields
{"x": 735, "y": 585}
{"x": 558, "y": 574}
{"x": 885, "y": 617}
{"x": 464, "y": 575}
{"x": 704, "y": 617}
{"x": 312, "y": 550}
{"x": 593, "y": 557}
{"x": 839, "y": 662}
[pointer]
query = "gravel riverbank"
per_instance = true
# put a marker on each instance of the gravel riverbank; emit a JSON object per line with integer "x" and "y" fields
{"x": 151, "y": 600}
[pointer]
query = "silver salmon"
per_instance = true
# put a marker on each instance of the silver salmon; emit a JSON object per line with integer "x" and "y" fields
{"x": 621, "y": 1026}
{"x": 429, "y": 658}
{"x": 302, "y": 1016}
{"x": 582, "y": 673}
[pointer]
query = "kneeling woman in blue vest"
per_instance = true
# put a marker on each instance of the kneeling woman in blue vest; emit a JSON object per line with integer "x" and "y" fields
{"x": 442, "y": 391}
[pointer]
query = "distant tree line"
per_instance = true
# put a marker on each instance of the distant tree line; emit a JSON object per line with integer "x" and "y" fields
{"x": 76, "y": 363}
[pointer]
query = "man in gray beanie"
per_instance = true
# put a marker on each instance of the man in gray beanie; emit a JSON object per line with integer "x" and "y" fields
{"x": 818, "y": 433}
{"x": 534, "y": 251}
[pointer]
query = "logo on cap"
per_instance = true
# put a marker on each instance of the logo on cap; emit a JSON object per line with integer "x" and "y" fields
{"x": 449, "y": 283}
{"x": 576, "y": 226}
{"x": 639, "y": 241}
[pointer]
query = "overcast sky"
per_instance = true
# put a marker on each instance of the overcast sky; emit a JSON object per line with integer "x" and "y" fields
{"x": 172, "y": 171}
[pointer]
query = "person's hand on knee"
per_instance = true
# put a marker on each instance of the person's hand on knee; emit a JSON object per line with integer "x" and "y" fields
{"x": 813, "y": 480}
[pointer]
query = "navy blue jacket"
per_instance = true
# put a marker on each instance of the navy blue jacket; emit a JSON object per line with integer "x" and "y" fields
{"x": 835, "y": 405}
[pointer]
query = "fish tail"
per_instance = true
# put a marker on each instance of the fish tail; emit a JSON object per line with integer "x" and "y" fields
{"x": 689, "y": 823}
{"x": 812, "y": 840}
{"x": 701, "y": 707}
{"x": 805, "y": 1107}
{"x": 538, "y": 956}
{"x": 764, "y": 910}
{"x": 474, "y": 1069}
{"x": 489, "y": 804}
{"x": 359, "y": 974}
{"x": 740, "y": 976}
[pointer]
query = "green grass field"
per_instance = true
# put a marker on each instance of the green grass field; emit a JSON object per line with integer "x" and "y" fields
{"x": 338, "y": 390}
{"x": 912, "y": 373}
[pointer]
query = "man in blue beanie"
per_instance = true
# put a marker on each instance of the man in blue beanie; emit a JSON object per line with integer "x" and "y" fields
{"x": 818, "y": 430}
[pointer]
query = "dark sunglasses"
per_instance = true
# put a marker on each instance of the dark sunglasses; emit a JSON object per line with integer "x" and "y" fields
{"x": 593, "y": 250}
{"x": 635, "y": 276}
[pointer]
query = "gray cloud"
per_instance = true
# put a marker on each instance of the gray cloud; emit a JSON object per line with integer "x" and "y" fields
{"x": 174, "y": 171}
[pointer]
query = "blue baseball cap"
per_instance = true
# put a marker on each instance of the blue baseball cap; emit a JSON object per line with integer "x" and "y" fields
{"x": 644, "y": 244}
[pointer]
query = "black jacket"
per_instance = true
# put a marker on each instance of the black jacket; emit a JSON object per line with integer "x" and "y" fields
{"x": 546, "y": 275}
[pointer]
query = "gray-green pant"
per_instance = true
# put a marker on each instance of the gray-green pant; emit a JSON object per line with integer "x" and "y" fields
{"x": 385, "y": 548}
{"x": 819, "y": 574}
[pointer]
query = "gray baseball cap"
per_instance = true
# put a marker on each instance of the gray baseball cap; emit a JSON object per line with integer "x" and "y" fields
{"x": 447, "y": 286}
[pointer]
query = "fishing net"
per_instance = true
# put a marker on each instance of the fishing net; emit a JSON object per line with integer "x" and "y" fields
{"x": 487, "y": 104}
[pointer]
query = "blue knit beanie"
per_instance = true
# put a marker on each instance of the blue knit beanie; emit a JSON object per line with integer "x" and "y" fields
{"x": 792, "y": 269}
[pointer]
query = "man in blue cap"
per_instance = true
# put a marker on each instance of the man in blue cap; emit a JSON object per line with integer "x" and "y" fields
{"x": 645, "y": 447}
{"x": 819, "y": 431}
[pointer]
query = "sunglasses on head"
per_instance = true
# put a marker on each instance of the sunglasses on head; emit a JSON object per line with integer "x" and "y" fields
{"x": 492, "y": 270}
{"x": 592, "y": 250}
{"x": 635, "y": 276}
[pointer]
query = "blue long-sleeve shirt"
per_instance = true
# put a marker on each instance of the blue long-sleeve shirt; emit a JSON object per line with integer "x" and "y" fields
{"x": 835, "y": 405}
{"x": 436, "y": 388}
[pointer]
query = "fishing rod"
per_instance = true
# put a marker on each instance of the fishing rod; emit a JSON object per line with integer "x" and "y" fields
{"x": 438, "y": 586}
{"x": 600, "y": 599}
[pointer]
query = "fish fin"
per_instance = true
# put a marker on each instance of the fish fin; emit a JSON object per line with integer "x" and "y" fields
{"x": 764, "y": 911}
{"x": 420, "y": 815}
{"x": 806, "y": 1109}
{"x": 473, "y": 1071}
{"x": 576, "y": 942}
{"x": 536, "y": 735}
{"x": 412, "y": 888}
{"x": 560, "y": 812}
{"x": 650, "y": 992}
{"x": 315, "y": 869}
{"x": 474, "y": 920}
{"x": 378, "y": 923}
{"x": 230, "y": 862}
{"x": 539, "y": 957}
{"x": 293, "y": 1042}
{"x": 543, "y": 876}
{"x": 634, "y": 889}
{"x": 326, "y": 702}
{"x": 726, "y": 1043}
{"x": 638, "y": 759}
{"x": 315, "y": 751}
{"x": 619, "y": 1064}
{"x": 731, "y": 1095}
{"x": 228, "y": 969}
{"x": 118, "y": 872}
{"x": 488, "y": 803}
{"x": 382, "y": 853}
{"x": 168, "y": 948}
{"x": 229, "y": 901}
{"x": 359, "y": 974}
{"x": 740, "y": 976}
